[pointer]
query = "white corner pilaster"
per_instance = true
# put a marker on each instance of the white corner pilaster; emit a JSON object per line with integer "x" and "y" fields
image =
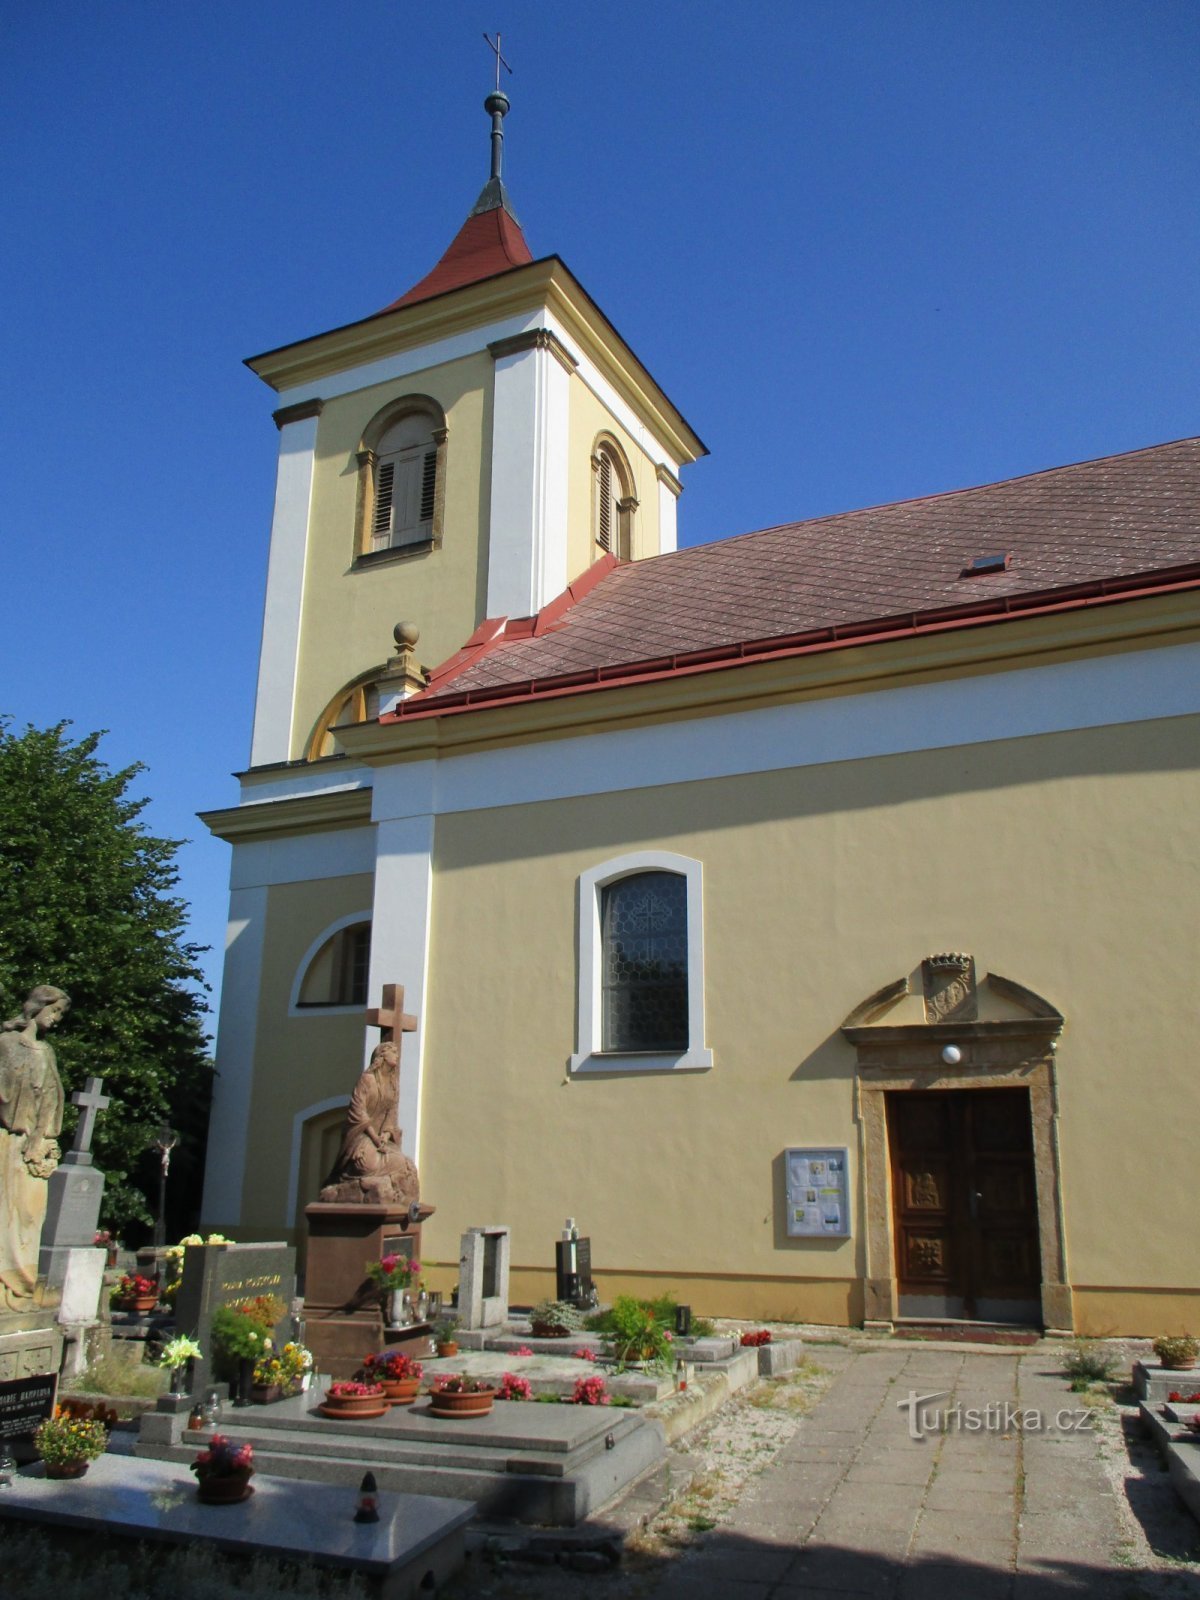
{"x": 228, "y": 1128}
{"x": 280, "y": 653}
{"x": 403, "y": 813}
{"x": 527, "y": 544}
{"x": 669, "y": 490}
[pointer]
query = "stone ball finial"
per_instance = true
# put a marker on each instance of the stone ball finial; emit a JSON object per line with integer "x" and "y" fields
{"x": 406, "y": 635}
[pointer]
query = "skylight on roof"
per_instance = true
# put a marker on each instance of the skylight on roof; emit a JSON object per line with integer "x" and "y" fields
{"x": 982, "y": 564}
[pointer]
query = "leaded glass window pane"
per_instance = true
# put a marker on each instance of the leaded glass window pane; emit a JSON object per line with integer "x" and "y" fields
{"x": 643, "y": 978}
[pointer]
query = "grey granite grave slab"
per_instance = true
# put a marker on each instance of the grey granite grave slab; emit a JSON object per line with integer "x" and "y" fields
{"x": 705, "y": 1350}
{"x": 774, "y": 1359}
{"x": 1178, "y": 1446}
{"x": 1153, "y": 1381}
{"x": 552, "y": 1464}
{"x": 483, "y": 1270}
{"x": 416, "y": 1545}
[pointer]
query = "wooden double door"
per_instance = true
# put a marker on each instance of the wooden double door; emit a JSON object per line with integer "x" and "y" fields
{"x": 964, "y": 1204}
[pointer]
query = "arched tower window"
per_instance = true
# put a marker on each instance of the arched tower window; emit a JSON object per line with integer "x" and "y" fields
{"x": 613, "y": 500}
{"x": 402, "y": 473}
{"x": 357, "y": 701}
{"x": 337, "y": 974}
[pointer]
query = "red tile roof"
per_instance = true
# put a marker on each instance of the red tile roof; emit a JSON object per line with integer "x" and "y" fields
{"x": 488, "y": 242}
{"x": 1104, "y": 526}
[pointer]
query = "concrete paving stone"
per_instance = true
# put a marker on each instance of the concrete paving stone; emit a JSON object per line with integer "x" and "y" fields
{"x": 1062, "y": 1582}
{"x": 995, "y": 1554}
{"x": 725, "y": 1558}
{"x": 1064, "y": 1535}
{"x": 931, "y": 1579}
{"x": 681, "y": 1585}
{"x": 894, "y": 1468}
{"x": 886, "y": 1499}
{"x": 952, "y": 1494}
{"x": 832, "y": 1567}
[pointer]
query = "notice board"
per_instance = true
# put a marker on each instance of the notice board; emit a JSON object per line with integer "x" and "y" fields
{"x": 818, "y": 1191}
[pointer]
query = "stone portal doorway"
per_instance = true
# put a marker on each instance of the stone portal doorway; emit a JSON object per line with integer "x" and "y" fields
{"x": 964, "y": 1204}
{"x": 937, "y": 1035}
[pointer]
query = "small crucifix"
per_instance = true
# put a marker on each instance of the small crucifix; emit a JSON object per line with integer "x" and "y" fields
{"x": 390, "y": 1017}
{"x": 500, "y": 61}
{"x": 90, "y": 1101}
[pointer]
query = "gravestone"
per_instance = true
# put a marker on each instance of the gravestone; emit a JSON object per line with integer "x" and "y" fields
{"x": 224, "y": 1275}
{"x": 69, "y": 1260}
{"x": 483, "y": 1268}
{"x": 573, "y": 1272}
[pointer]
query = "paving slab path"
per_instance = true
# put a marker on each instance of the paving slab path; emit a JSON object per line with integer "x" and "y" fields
{"x": 924, "y": 1473}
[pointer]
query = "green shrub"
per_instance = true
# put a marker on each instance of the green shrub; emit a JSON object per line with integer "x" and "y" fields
{"x": 1088, "y": 1361}
{"x": 638, "y": 1335}
{"x": 662, "y": 1307}
{"x": 556, "y": 1314}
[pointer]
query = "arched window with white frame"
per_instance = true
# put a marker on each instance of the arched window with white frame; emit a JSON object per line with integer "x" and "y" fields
{"x": 332, "y": 974}
{"x": 402, "y": 478}
{"x": 641, "y": 966}
{"x": 613, "y": 500}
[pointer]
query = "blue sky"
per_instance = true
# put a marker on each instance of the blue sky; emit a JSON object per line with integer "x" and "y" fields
{"x": 872, "y": 250}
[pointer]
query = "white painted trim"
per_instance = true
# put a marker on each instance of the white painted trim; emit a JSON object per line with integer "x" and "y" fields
{"x": 618, "y": 408}
{"x": 295, "y": 1009}
{"x": 589, "y": 1057}
{"x": 400, "y": 923}
{"x": 305, "y": 1115}
{"x": 303, "y": 857}
{"x": 527, "y": 537}
{"x": 280, "y": 650}
{"x": 417, "y": 359}
{"x": 335, "y": 778}
{"x": 229, "y": 1127}
{"x": 668, "y": 518}
{"x": 1101, "y": 692}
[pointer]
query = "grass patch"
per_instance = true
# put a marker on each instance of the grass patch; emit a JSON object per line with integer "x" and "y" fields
{"x": 793, "y": 1391}
{"x": 1087, "y": 1362}
{"x": 119, "y": 1374}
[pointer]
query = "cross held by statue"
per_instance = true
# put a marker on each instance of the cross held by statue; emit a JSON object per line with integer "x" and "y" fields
{"x": 390, "y": 1017}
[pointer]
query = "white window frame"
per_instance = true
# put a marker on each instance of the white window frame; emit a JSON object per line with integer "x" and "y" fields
{"x": 588, "y": 1055}
{"x": 295, "y": 1009}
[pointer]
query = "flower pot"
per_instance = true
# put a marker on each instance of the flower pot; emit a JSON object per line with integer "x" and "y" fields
{"x": 399, "y": 1308}
{"x": 141, "y": 1303}
{"x": 400, "y": 1391}
{"x": 549, "y": 1330}
{"x": 66, "y": 1469}
{"x": 244, "y": 1381}
{"x": 226, "y": 1489}
{"x": 181, "y": 1378}
{"x": 1179, "y": 1364}
{"x": 353, "y": 1407}
{"x": 448, "y": 1347}
{"x": 442, "y": 1404}
{"x": 265, "y": 1394}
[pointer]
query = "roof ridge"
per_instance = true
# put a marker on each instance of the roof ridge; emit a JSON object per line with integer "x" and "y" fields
{"x": 921, "y": 499}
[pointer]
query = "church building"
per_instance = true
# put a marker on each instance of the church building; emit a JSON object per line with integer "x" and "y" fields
{"x": 811, "y": 915}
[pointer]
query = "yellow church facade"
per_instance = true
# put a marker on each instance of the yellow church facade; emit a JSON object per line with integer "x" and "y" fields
{"x": 811, "y": 916}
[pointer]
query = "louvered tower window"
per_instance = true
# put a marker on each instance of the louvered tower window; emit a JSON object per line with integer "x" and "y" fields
{"x": 614, "y": 503}
{"x": 405, "y": 485}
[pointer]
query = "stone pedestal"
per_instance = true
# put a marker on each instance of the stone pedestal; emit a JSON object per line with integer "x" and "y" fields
{"x": 343, "y": 1314}
{"x": 483, "y": 1262}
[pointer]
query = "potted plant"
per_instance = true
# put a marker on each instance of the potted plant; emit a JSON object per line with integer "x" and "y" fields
{"x": 638, "y": 1338}
{"x": 461, "y": 1396}
{"x": 223, "y": 1471}
{"x": 177, "y": 1356}
{"x": 555, "y": 1319}
{"x": 1177, "y": 1352}
{"x": 443, "y": 1336}
{"x": 68, "y": 1445}
{"x": 392, "y": 1276}
{"x": 135, "y": 1293}
{"x": 350, "y": 1400}
{"x": 268, "y": 1381}
{"x": 297, "y": 1362}
{"x": 241, "y": 1336}
{"x": 397, "y": 1374}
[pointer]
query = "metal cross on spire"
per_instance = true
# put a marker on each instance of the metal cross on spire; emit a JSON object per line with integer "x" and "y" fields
{"x": 500, "y": 61}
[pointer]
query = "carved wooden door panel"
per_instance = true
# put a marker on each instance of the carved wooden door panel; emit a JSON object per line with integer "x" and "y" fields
{"x": 964, "y": 1205}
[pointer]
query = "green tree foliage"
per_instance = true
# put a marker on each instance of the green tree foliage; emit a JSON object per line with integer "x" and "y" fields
{"x": 86, "y": 904}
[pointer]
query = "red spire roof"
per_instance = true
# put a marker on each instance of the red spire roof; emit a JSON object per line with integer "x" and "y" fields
{"x": 489, "y": 242}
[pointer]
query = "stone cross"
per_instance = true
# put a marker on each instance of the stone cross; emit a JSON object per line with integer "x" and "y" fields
{"x": 90, "y": 1101}
{"x": 390, "y": 1017}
